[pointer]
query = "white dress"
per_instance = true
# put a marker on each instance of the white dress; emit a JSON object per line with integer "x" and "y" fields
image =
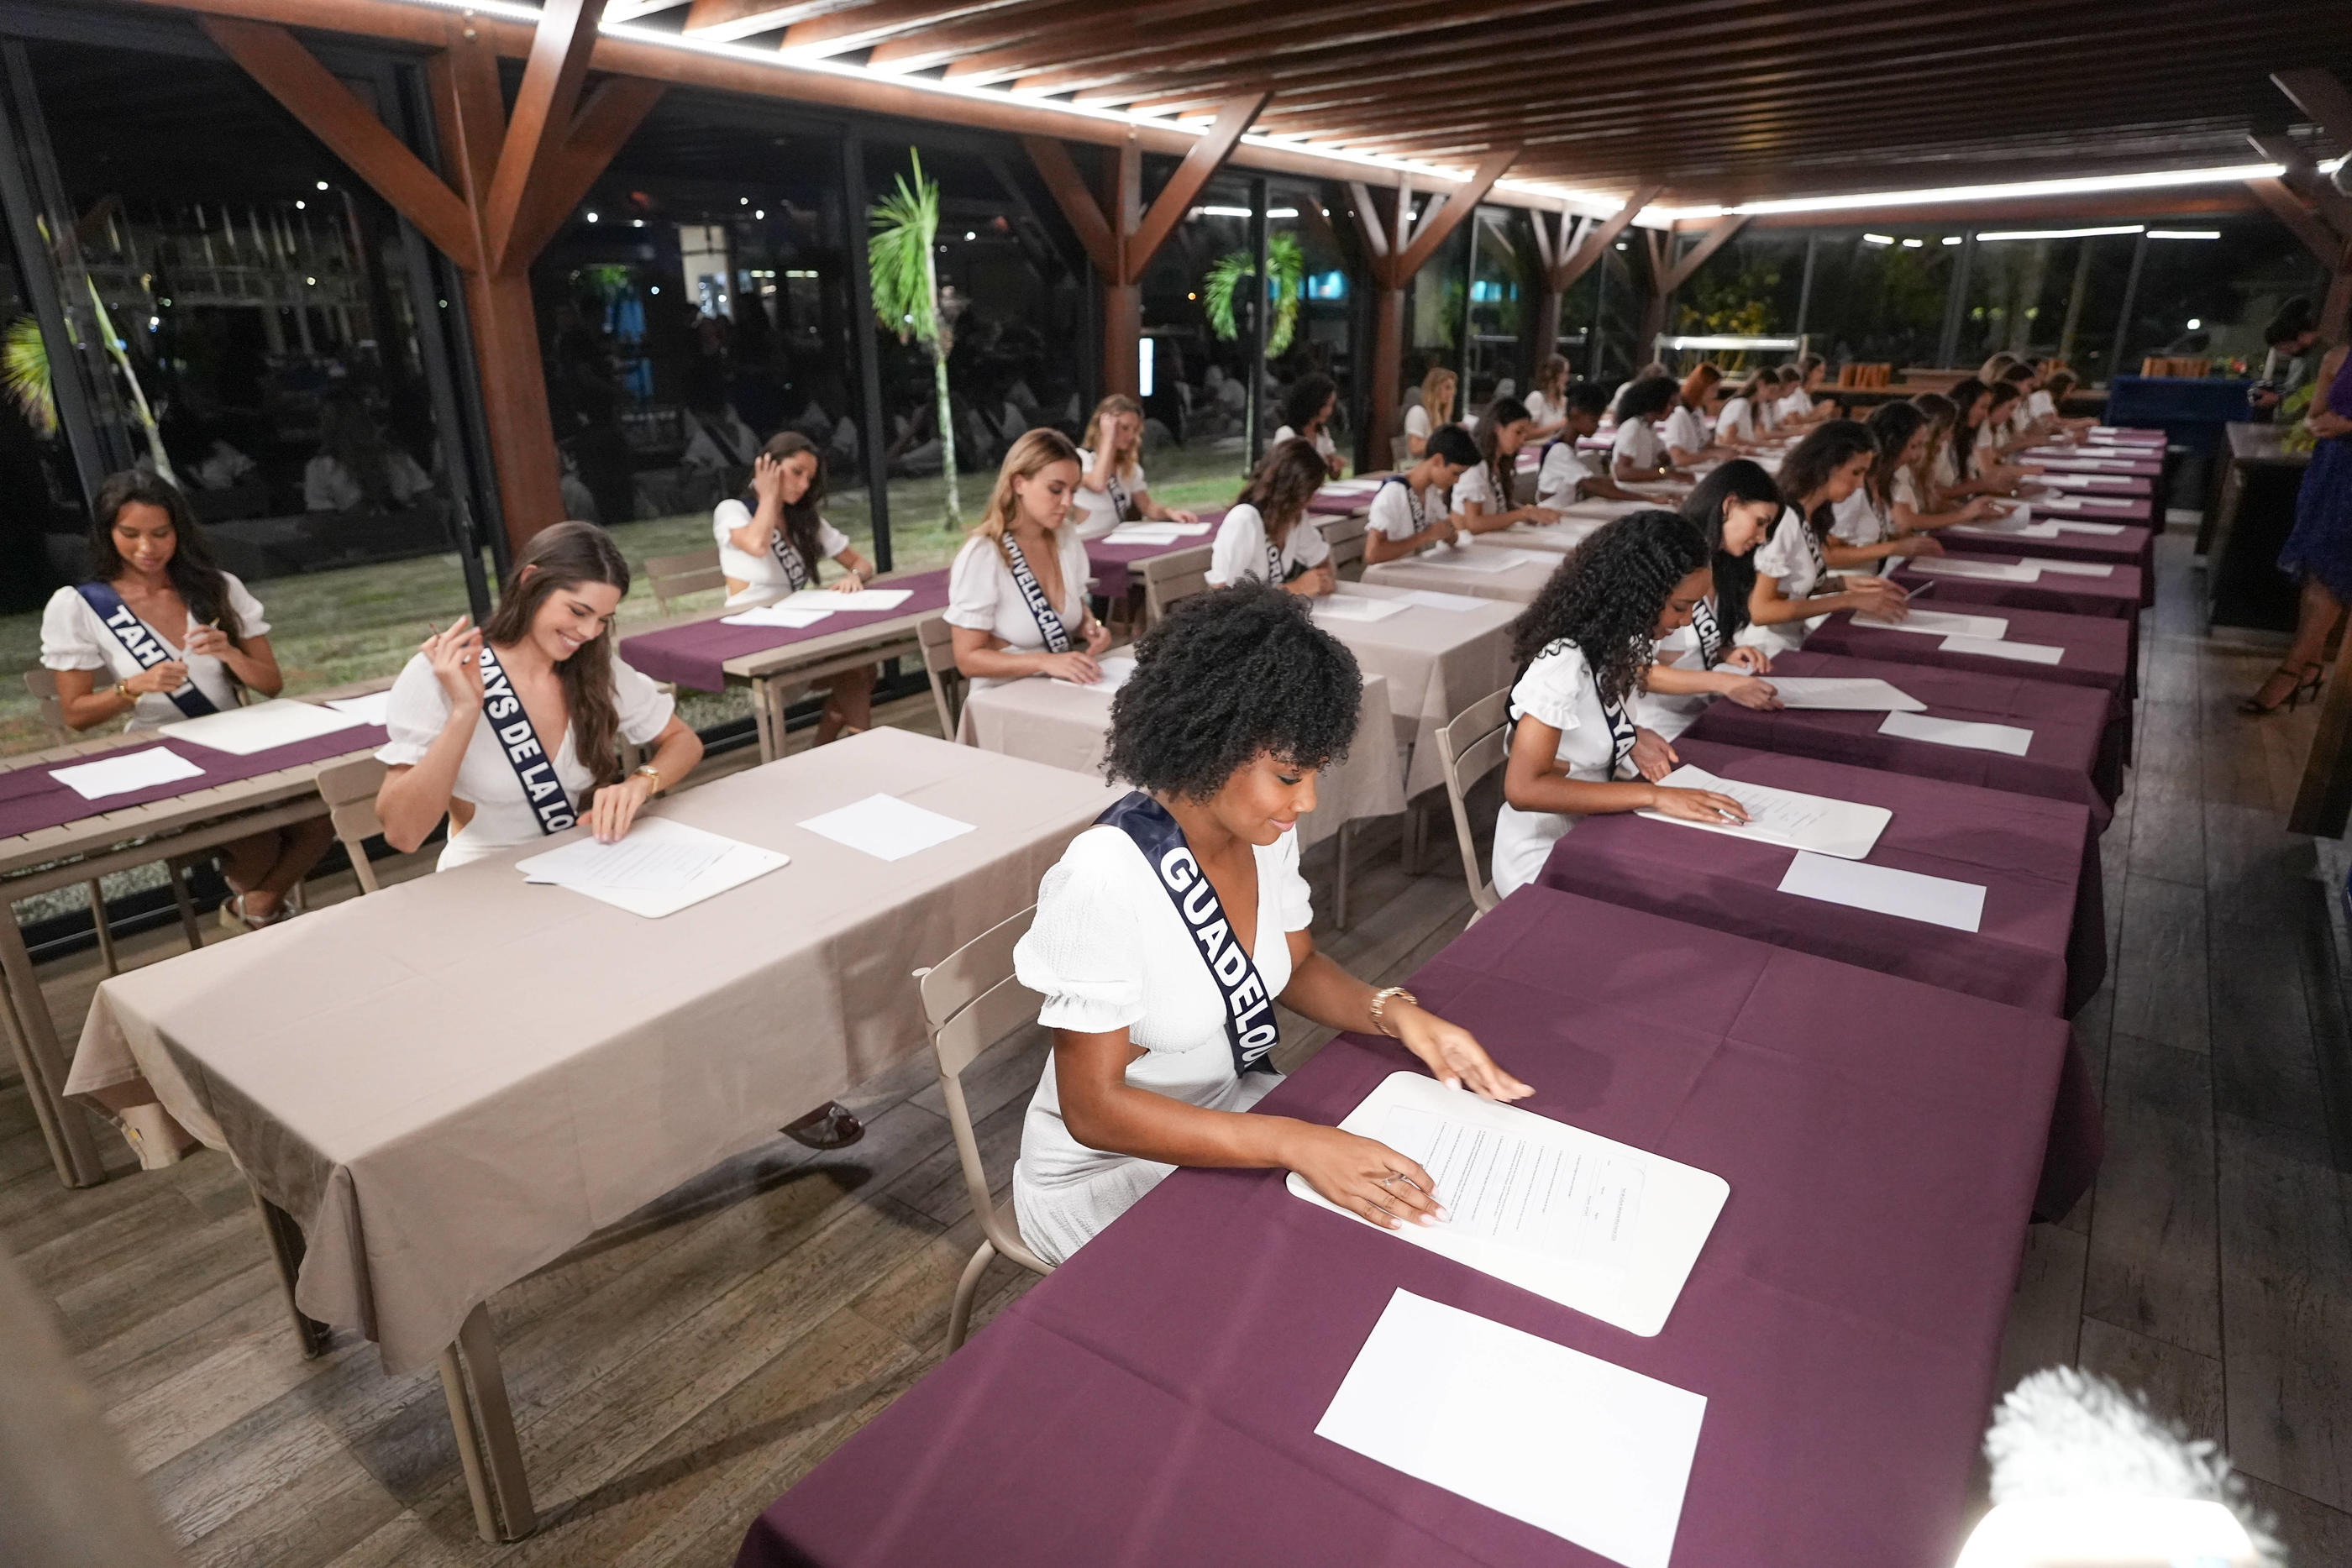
{"x": 1561, "y": 478}
{"x": 1474, "y": 491}
{"x": 1540, "y": 410}
{"x": 1239, "y": 554}
{"x": 1671, "y": 714}
{"x": 1638, "y": 443}
{"x": 763, "y": 574}
{"x": 983, "y": 596}
{"x": 73, "y": 637}
{"x": 1793, "y": 556}
{"x": 1416, "y": 422}
{"x": 1738, "y": 421}
{"x": 1108, "y": 951}
{"x": 1323, "y": 443}
{"x": 503, "y": 817}
{"x": 1686, "y": 429}
{"x": 1100, "y": 511}
{"x": 1557, "y": 690}
{"x": 2039, "y": 404}
{"x": 1397, "y": 513}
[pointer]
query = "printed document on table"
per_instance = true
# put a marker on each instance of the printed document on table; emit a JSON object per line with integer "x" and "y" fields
{"x": 1843, "y": 691}
{"x": 1940, "y": 624}
{"x": 1591, "y": 1452}
{"x": 791, "y": 616}
{"x": 122, "y": 774}
{"x": 1989, "y": 570}
{"x": 1358, "y": 607}
{"x": 374, "y": 709}
{"x": 1936, "y": 900}
{"x": 1846, "y": 828}
{"x": 1598, "y": 1226}
{"x": 1997, "y": 648}
{"x": 887, "y": 828}
{"x": 1976, "y": 737}
{"x": 2018, "y": 530}
{"x": 659, "y": 868}
{"x": 865, "y": 599}
{"x": 242, "y": 731}
{"x": 1143, "y": 534}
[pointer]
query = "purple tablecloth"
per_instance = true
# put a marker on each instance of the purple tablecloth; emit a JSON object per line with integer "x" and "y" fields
{"x": 2134, "y": 548}
{"x": 2117, "y": 595}
{"x": 31, "y": 800}
{"x": 694, "y": 654}
{"x": 2133, "y": 460}
{"x": 2073, "y": 755}
{"x": 2140, "y": 510}
{"x": 1111, "y": 563}
{"x": 1153, "y": 1404}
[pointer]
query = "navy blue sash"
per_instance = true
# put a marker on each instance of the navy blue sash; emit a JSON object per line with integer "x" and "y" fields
{"x": 1621, "y": 735}
{"x": 1041, "y": 609}
{"x": 533, "y": 768}
{"x": 1250, "y": 1028}
{"x": 141, "y": 643}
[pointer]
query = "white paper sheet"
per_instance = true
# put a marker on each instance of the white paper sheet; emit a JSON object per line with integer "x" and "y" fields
{"x": 1591, "y": 1452}
{"x": 1358, "y": 607}
{"x": 1629, "y": 1276}
{"x": 2068, "y": 525}
{"x": 122, "y": 774}
{"x": 1430, "y": 599}
{"x": 1987, "y": 570}
{"x": 660, "y": 868}
{"x": 1579, "y": 1204}
{"x": 1884, "y": 890}
{"x": 788, "y": 615}
{"x": 887, "y": 828}
{"x": 374, "y": 709}
{"x": 2074, "y": 569}
{"x": 1846, "y": 828}
{"x": 1975, "y": 735}
{"x": 1999, "y": 648}
{"x": 865, "y": 599}
{"x": 2075, "y": 502}
{"x": 1143, "y": 534}
{"x": 1116, "y": 668}
{"x": 242, "y": 731}
{"x": 2008, "y": 531}
{"x": 1478, "y": 560}
{"x": 1941, "y": 624}
{"x": 1844, "y": 693}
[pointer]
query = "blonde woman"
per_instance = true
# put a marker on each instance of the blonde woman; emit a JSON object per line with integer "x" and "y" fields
{"x": 1111, "y": 486}
{"x": 1547, "y": 404}
{"x": 1439, "y": 389}
{"x": 1017, "y": 592}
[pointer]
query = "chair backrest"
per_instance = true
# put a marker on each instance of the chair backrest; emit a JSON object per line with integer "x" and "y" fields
{"x": 43, "y": 684}
{"x": 1399, "y": 452}
{"x": 1171, "y": 578}
{"x": 1346, "y": 538}
{"x": 971, "y": 1000}
{"x": 1469, "y": 748}
{"x": 348, "y": 790}
{"x": 936, "y": 639}
{"x": 676, "y": 576}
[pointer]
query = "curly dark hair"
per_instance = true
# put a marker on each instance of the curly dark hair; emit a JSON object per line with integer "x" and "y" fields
{"x": 1226, "y": 677}
{"x": 1734, "y": 575}
{"x": 1827, "y": 448}
{"x": 1306, "y": 399}
{"x": 1648, "y": 396}
{"x": 1607, "y": 596}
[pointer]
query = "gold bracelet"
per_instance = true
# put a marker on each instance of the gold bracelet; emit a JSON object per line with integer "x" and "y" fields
{"x": 1380, "y": 1000}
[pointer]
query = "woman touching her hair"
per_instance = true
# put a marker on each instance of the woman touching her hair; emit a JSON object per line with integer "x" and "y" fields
{"x": 1438, "y": 395}
{"x": 1111, "y": 486}
{"x": 769, "y": 540}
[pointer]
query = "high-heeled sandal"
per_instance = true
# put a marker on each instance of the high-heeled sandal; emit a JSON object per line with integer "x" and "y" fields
{"x": 2308, "y": 680}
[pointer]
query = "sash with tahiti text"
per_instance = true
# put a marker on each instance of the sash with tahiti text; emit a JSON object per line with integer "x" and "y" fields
{"x": 533, "y": 768}
{"x": 1041, "y": 609}
{"x": 141, "y": 643}
{"x": 1250, "y": 1028}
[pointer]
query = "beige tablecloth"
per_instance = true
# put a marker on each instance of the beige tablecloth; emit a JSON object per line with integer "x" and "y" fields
{"x": 1065, "y": 725}
{"x": 1436, "y": 662}
{"x": 1466, "y": 567}
{"x": 455, "y": 1081}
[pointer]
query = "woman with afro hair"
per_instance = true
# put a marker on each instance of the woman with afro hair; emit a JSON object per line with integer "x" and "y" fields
{"x": 1168, "y": 931}
{"x": 1582, "y": 648}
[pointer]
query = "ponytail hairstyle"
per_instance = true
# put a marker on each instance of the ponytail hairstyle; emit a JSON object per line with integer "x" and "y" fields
{"x": 1892, "y": 425}
{"x": 1440, "y": 390}
{"x": 1500, "y": 468}
{"x": 1029, "y": 456}
{"x": 1117, "y": 403}
{"x": 1806, "y": 471}
{"x": 1739, "y": 480}
{"x": 566, "y": 556}
{"x": 1303, "y": 404}
{"x": 200, "y": 584}
{"x": 1964, "y": 396}
{"x": 801, "y": 517}
{"x": 1454, "y": 444}
{"x": 1285, "y": 480}
{"x": 1607, "y": 596}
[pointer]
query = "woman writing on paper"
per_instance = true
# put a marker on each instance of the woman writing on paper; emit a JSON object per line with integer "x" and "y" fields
{"x": 1688, "y": 430}
{"x": 1636, "y": 456}
{"x": 1268, "y": 536}
{"x": 1581, "y": 649}
{"x": 1900, "y": 497}
{"x": 1565, "y": 475}
{"x": 1962, "y": 467}
{"x": 1739, "y": 426}
{"x": 174, "y": 637}
{"x": 1862, "y": 528}
{"x": 1111, "y": 486}
{"x": 1017, "y": 592}
{"x": 1412, "y": 510}
{"x": 1793, "y": 586}
{"x": 1733, "y": 509}
{"x": 769, "y": 540}
{"x": 1438, "y": 389}
{"x": 1169, "y": 929}
{"x": 1482, "y": 496}
{"x": 1307, "y": 411}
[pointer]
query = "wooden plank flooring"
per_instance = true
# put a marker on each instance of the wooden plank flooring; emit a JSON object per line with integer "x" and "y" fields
{"x": 674, "y": 1375}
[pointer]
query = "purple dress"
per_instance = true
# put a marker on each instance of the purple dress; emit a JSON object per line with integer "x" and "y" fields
{"x": 2321, "y": 545}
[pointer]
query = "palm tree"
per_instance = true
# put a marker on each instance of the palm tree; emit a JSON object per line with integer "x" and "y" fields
{"x": 1286, "y": 262}
{"x": 901, "y": 255}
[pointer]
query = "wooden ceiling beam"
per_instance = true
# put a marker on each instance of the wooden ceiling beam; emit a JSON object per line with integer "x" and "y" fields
{"x": 1452, "y": 208}
{"x": 2325, "y": 247}
{"x": 1597, "y": 239}
{"x": 859, "y": 26}
{"x": 1175, "y": 198}
{"x": 1716, "y": 236}
{"x": 540, "y": 121}
{"x": 608, "y": 117}
{"x": 2322, "y": 99}
{"x": 999, "y": 46}
{"x": 2306, "y": 181}
{"x": 727, "y": 20}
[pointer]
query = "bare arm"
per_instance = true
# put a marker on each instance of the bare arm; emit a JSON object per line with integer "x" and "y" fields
{"x": 1766, "y": 607}
{"x": 84, "y": 704}
{"x": 1534, "y": 780}
{"x": 414, "y": 797}
{"x": 986, "y": 656}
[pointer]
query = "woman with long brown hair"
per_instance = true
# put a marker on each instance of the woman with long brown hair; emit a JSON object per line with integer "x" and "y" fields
{"x": 1795, "y": 588}
{"x": 176, "y": 637}
{"x": 769, "y": 540}
{"x": 1111, "y": 486}
{"x": 1268, "y": 536}
{"x": 510, "y": 728}
{"x": 1017, "y": 592}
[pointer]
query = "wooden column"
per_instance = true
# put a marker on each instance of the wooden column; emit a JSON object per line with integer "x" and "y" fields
{"x": 1565, "y": 260}
{"x": 1668, "y": 274}
{"x": 1121, "y": 235}
{"x": 508, "y": 186}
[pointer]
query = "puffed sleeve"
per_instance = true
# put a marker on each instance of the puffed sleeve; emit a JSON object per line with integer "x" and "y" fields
{"x": 1854, "y": 521}
{"x": 1240, "y": 550}
{"x": 642, "y": 707}
{"x": 972, "y": 585}
{"x": 1306, "y": 543}
{"x": 249, "y": 618}
{"x": 1784, "y": 554}
{"x": 413, "y": 714}
{"x": 1391, "y": 514}
{"x": 1416, "y": 422}
{"x": 830, "y": 541}
{"x": 1083, "y": 952}
{"x": 1554, "y": 687}
{"x": 1472, "y": 489}
{"x": 726, "y": 518}
{"x": 69, "y": 641}
{"x": 1293, "y": 899}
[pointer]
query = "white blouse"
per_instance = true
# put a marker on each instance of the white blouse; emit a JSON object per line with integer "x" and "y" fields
{"x": 1793, "y": 556}
{"x": 763, "y": 574}
{"x": 1108, "y": 951}
{"x": 1474, "y": 491}
{"x": 1738, "y": 421}
{"x": 1638, "y": 443}
{"x": 1540, "y": 410}
{"x": 1557, "y": 690}
{"x": 1239, "y": 554}
{"x": 503, "y": 818}
{"x": 1686, "y": 429}
{"x": 1417, "y": 421}
{"x": 983, "y": 596}
{"x": 73, "y": 637}
{"x": 2039, "y": 404}
{"x": 1100, "y": 511}
{"x": 1397, "y": 513}
{"x": 1562, "y": 475}
{"x": 1323, "y": 443}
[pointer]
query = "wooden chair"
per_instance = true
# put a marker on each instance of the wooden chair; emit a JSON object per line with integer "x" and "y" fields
{"x": 676, "y": 576}
{"x": 971, "y": 1000}
{"x": 1345, "y": 535}
{"x": 938, "y": 641}
{"x": 1469, "y": 748}
{"x": 1171, "y": 577}
{"x": 350, "y": 791}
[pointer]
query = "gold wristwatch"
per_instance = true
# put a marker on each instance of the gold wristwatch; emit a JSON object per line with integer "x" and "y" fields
{"x": 654, "y": 773}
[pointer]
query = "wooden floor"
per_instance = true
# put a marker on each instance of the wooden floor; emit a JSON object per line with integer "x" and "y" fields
{"x": 676, "y": 1374}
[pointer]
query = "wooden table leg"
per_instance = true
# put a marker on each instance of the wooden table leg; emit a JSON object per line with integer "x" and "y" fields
{"x": 484, "y": 1423}
{"x": 762, "y": 718}
{"x": 285, "y": 1249}
{"x": 42, "y": 1059}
